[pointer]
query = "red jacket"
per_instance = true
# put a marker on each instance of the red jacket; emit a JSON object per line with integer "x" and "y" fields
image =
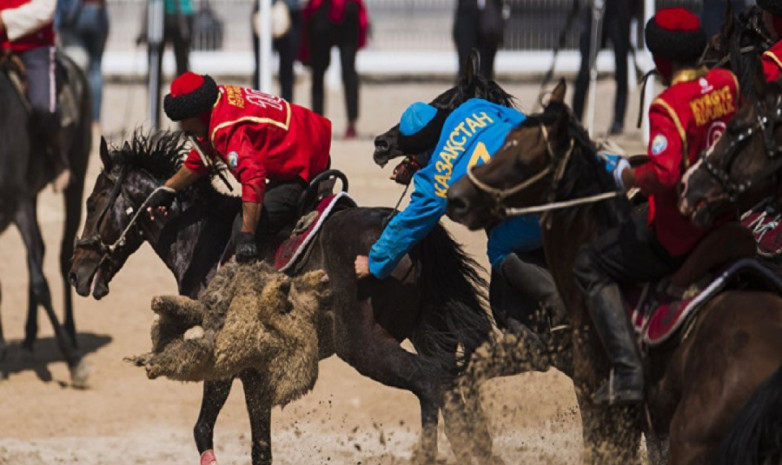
{"x": 43, "y": 37}
{"x": 772, "y": 62}
{"x": 261, "y": 136}
{"x": 684, "y": 120}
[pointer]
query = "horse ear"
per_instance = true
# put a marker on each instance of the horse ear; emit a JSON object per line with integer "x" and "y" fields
{"x": 472, "y": 67}
{"x": 558, "y": 94}
{"x": 759, "y": 82}
{"x": 104, "y": 153}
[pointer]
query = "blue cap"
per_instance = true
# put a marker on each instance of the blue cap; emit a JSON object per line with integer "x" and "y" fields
{"x": 416, "y": 117}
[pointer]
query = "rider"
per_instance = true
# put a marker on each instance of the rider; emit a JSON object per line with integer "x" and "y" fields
{"x": 772, "y": 19}
{"x": 684, "y": 119}
{"x": 450, "y": 143}
{"x": 26, "y": 29}
{"x": 259, "y": 137}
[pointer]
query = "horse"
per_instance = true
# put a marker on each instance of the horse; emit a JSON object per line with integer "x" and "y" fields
{"x": 696, "y": 388}
{"x": 433, "y": 298}
{"x": 734, "y": 46}
{"x": 23, "y": 173}
{"x": 742, "y": 168}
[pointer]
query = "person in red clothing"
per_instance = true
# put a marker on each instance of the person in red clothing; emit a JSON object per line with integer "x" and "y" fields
{"x": 772, "y": 20}
{"x": 686, "y": 118}
{"x": 26, "y": 29}
{"x": 260, "y": 138}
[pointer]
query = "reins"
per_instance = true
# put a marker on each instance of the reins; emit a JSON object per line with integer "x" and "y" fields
{"x": 499, "y": 195}
{"x": 108, "y": 249}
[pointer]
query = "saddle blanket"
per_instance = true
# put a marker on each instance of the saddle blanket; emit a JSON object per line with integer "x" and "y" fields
{"x": 657, "y": 317}
{"x": 307, "y": 228}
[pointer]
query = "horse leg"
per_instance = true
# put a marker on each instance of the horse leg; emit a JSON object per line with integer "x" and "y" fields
{"x": 212, "y": 401}
{"x": 611, "y": 434}
{"x": 371, "y": 350}
{"x": 2, "y": 337}
{"x": 259, "y": 407}
{"x": 31, "y": 325}
{"x": 31, "y": 235}
{"x": 72, "y": 215}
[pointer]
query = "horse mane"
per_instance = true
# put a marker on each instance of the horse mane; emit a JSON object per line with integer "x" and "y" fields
{"x": 476, "y": 87}
{"x": 161, "y": 154}
{"x": 585, "y": 173}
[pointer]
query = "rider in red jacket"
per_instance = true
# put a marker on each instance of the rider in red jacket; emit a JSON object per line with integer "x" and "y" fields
{"x": 272, "y": 147}
{"x": 26, "y": 29}
{"x": 685, "y": 119}
{"x": 772, "y": 19}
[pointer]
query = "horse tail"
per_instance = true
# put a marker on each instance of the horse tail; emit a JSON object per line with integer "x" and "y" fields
{"x": 756, "y": 436}
{"x": 455, "y": 293}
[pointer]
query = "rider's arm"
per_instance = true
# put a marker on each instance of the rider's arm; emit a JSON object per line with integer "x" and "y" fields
{"x": 182, "y": 178}
{"x": 407, "y": 227}
{"x": 665, "y": 150}
{"x": 28, "y": 18}
{"x": 251, "y": 213}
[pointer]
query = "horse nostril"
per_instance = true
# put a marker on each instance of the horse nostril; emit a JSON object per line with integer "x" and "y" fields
{"x": 72, "y": 278}
{"x": 458, "y": 205}
{"x": 382, "y": 144}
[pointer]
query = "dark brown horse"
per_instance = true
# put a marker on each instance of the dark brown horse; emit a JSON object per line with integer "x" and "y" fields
{"x": 433, "y": 299}
{"x": 696, "y": 385}
{"x": 743, "y": 167}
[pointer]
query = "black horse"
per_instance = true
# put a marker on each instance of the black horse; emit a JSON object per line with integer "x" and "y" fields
{"x": 433, "y": 298}
{"x": 23, "y": 173}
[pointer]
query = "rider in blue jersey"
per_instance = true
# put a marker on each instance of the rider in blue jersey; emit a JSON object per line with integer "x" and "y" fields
{"x": 453, "y": 142}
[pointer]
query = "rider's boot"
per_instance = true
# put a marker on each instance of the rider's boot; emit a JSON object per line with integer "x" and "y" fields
{"x": 625, "y": 384}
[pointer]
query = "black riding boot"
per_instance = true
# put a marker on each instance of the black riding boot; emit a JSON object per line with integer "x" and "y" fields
{"x": 626, "y": 382}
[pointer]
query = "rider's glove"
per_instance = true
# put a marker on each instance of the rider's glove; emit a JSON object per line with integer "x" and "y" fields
{"x": 621, "y": 165}
{"x": 162, "y": 197}
{"x": 246, "y": 248}
{"x": 404, "y": 171}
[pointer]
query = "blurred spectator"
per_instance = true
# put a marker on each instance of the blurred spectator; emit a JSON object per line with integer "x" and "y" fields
{"x": 285, "y": 40}
{"x": 84, "y": 24}
{"x": 177, "y": 26}
{"x": 616, "y": 28}
{"x": 327, "y": 23}
{"x": 480, "y": 25}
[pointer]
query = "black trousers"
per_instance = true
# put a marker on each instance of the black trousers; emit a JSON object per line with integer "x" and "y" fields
{"x": 280, "y": 206}
{"x": 322, "y": 35}
{"x": 616, "y": 29}
{"x": 466, "y": 35}
{"x": 628, "y": 253}
{"x": 287, "y": 47}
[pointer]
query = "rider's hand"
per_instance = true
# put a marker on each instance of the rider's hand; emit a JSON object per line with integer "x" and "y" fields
{"x": 404, "y": 171}
{"x": 246, "y": 248}
{"x": 160, "y": 201}
{"x": 621, "y": 166}
{"x": 362, "y": 266}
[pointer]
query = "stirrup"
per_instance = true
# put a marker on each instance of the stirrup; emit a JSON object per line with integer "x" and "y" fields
{"x": 607, "y": 394}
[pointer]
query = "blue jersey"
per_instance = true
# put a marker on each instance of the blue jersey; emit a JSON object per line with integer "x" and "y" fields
{"x": 470, "y": 135}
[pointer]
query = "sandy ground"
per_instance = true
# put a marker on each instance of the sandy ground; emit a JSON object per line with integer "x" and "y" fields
{"x": 347, "y": 419}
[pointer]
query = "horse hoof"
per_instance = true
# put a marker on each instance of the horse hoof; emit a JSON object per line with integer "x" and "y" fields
{"x": 208, "y": 458}
{"x": 79, "y": 374}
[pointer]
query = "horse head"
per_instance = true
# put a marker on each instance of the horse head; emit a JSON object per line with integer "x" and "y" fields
{"x": 521, "y": 172}
{"x": 741, "y": 168}
{"x": 116, "y": 225}
{"x": 470, "y": 84}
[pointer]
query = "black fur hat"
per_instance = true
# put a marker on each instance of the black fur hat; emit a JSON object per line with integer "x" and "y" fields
{"x": 675, "y": 34}
{"x": 191, "y": 94}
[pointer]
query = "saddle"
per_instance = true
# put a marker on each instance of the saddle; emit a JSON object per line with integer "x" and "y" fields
{"x": 67, "y": 96}
{"x": 724, "y": 259}
{"x": 317, "y": 202}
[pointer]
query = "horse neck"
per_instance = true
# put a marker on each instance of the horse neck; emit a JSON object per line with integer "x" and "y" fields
{"x": 192, "y": 242}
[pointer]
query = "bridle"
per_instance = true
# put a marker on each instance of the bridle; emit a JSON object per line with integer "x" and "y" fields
{"x": 767, "y": 125}
{"x": 96, "y": 241}
{"x": 500, "y": 195}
